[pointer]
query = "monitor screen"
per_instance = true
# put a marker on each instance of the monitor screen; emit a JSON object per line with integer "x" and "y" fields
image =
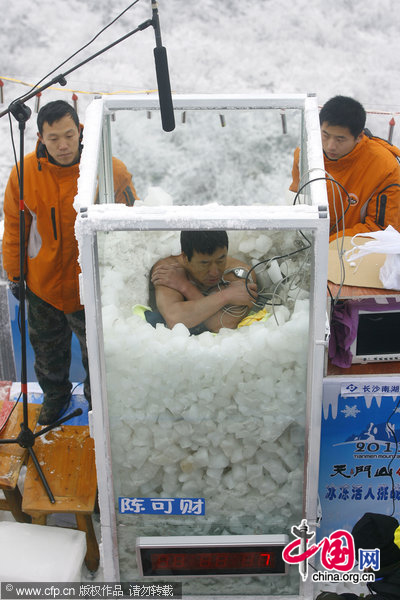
{"x": 378, "y": 335}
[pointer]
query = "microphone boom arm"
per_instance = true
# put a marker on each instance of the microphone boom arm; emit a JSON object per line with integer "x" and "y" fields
{"x": 61, "y": 78}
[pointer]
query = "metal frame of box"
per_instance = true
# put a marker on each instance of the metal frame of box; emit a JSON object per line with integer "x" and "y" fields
{"x": 96, "y": 161}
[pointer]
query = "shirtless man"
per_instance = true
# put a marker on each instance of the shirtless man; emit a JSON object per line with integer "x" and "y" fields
{"x": 199, "y": 287}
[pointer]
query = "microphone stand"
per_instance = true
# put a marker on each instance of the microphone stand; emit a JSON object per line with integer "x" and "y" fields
{"x": 22, "y": 113}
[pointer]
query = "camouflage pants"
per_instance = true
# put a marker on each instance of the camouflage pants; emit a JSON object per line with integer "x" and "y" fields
{"x": 50, "y": 333}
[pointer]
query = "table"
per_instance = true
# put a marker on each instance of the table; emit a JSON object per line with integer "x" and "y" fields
{"x": 12, "y": 458}
{"x": 66, "y": 455}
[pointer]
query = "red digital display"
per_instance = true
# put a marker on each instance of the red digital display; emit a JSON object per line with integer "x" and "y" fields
{"x": 212, "y": 561}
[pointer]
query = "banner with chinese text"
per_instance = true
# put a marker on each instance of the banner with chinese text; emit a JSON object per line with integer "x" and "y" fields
{"x": 360, "y": 450}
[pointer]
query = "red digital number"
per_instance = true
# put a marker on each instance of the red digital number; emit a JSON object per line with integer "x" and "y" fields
{"x": 160, "y": 561}
{"x": 209, "y": 560}
{"x": 178, "y": 561}
{"x": 248, "y": 559}
{"x": 221, "y": 560}
{"x": 265, "y": 560}
{"x": 234, "y": 560}
{"x": 205, "y": 560}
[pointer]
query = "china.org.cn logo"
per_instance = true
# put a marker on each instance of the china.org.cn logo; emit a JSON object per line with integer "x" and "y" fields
{"x": 337, "y": 556}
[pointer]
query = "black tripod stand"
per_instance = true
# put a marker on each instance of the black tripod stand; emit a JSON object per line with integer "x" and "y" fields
{"x": 21, "y": 113}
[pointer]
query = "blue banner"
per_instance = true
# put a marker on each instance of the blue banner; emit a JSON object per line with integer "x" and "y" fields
{"x": 359, "y": 467}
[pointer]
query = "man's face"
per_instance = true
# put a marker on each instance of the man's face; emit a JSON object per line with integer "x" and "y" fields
{"x": 61, "y": 140}
{"x": 337, "y": 141}
{"x": 207, "y": 269}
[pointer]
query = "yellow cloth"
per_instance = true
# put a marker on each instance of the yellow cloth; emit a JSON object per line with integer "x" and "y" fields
{"x": 261, "y": 315}
{"x": 397, "y": 537}
{"x": 139, "y": 310}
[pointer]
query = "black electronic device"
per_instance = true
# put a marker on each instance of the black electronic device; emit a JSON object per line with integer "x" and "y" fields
{"x": 378, "y": 335}
{"x": 225, "y": 555}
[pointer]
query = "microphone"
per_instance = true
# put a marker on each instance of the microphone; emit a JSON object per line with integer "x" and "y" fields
{"x": 163, "y": 83}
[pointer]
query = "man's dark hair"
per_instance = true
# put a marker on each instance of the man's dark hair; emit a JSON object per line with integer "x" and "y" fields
{"x": 205, "y": 242}
{"x": 54, "y": 111}
{"x": 342, "y": 111}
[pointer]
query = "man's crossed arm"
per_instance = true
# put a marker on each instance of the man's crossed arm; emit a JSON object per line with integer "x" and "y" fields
{"x": 179, "y": 300}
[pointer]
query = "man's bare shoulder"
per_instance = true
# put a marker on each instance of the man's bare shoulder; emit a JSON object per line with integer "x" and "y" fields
{"x": 169, "y": 260}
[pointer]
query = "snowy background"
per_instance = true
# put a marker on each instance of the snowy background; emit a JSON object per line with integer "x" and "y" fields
{"x": 234, "y": 47}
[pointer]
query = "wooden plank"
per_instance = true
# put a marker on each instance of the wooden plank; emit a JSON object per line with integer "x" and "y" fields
{"x": 12, "y": 456}
{"x": 66, "y": 456}
{"x": 13, "y": 503}
{"x": 351, "y": 291}
{"x": 92, "y": 558}
{"x": 378, "y": 369}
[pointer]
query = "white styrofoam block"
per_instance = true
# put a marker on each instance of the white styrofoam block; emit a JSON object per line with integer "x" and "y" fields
{"x": 40, "y": 553}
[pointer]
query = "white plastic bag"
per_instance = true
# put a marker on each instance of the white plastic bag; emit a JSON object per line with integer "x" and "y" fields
{"x": 389, "y": 273}
{"x": 384, "y": 242}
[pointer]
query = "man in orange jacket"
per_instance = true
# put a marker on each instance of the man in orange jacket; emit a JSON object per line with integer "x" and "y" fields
{"x": 51, "y": 267}
{"x": 365, "y": 167}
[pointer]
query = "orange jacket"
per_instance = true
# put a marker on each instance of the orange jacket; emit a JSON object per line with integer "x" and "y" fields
{"x": 51, "y": 249}
{"x": 365, "y": 173}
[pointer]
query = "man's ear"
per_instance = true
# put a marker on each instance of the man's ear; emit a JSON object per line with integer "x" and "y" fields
{"x": 185, "y": 259}
{"x": 359, "y": 138}
{"x": 40, "y": 137}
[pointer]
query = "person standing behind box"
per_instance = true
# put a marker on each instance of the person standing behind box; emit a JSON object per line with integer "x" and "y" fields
{"x": 366, "y": 166}
{"x": 52, "y": 290}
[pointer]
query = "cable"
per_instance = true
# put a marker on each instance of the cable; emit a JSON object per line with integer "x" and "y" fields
{"x": 293, "y": 281}
{"x": 334, "y": 182}
{"x": 328, "y": 178}
{"x": 75, "y": 386}
{"x": 339, "y": 245}
{"x": 340, "y": 249}
{"x": 234, "y": 311}
{"x": 270, "y": 297}
{"x": 265, "y": 296}
{"x": 58, "y": 67}
{"x": 269, "y": 260}
{"x": 80, "y": 49}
